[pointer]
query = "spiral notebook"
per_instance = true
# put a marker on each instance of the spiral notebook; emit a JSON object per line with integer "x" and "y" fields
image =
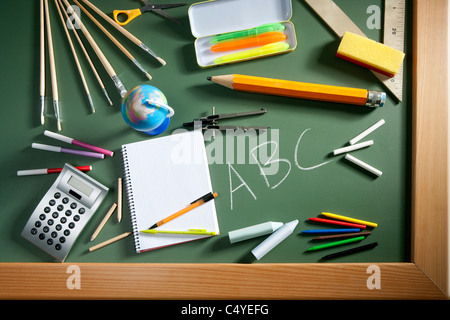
{"x": 162, "y": 176}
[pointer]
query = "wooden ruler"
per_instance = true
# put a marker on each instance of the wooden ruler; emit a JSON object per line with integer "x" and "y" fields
{"x": 394, "y": 32}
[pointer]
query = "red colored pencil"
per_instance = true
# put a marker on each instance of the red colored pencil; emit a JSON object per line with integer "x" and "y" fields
{"x": 340, "y": 223}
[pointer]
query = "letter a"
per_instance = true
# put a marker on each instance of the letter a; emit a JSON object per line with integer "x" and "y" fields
{"x": 373, "y": 22}
{"x": 230, "y": 167}
{"x": 374, "y": 281}
{"x": 74, "y": 280}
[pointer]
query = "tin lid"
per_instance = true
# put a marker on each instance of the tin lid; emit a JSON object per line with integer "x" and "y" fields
{"x": 221, "y": 16}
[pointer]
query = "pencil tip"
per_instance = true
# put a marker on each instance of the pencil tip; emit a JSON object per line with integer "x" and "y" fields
{"x": 208, "y": 78}
{"x": 153, "y": 226}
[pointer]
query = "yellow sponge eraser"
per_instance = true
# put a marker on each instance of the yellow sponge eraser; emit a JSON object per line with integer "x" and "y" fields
{"x": 370, "y": 54}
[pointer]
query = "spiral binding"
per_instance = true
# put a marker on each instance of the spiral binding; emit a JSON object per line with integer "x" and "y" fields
{"x": 130, "y": 198}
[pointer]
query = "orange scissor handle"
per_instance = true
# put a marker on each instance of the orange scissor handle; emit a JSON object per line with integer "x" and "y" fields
{"x": 130, "y": 15}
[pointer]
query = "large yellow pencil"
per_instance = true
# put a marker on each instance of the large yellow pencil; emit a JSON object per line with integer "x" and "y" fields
{"x": 339, "y": 217}
{"x": 302, "y": 90}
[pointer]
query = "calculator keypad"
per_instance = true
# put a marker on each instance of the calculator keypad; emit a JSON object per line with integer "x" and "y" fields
{"x": 56, "y": 221}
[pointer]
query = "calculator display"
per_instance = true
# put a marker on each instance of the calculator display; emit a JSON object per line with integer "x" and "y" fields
{"x": 80, "y": 186}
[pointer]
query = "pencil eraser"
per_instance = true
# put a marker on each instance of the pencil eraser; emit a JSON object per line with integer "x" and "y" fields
{"x": 370, "y": 54}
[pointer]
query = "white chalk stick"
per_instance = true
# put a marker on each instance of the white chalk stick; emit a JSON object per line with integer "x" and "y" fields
{"x": 367, "y": 131}
{"x": 274, "y": 239}
{"x": 363, "y": 165}
{"x": 254, "y": 231}
{"x": 353, "y": 147}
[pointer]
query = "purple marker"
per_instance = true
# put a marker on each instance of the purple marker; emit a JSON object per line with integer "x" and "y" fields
{"x": 65, "y": 150}
{"x": 62, "y": 138}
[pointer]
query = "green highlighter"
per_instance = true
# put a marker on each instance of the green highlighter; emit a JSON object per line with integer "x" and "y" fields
{"x": 247, "y": 33}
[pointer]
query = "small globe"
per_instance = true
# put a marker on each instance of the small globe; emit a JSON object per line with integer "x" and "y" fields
{"x": 144, "y": 108}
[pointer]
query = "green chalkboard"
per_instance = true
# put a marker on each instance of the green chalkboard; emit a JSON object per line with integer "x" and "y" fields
{"x": 303, "y": 181}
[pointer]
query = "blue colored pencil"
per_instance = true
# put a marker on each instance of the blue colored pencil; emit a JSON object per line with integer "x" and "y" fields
{"x": 331, "y": 230}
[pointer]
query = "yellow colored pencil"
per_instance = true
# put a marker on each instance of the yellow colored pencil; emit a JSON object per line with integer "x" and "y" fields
{"x": 339, "y": 217}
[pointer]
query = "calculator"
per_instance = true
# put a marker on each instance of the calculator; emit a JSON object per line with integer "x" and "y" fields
{"x": 64, "y": 211}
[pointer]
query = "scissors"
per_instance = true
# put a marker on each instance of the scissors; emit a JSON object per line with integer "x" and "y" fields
{"x": 157, "y": 8}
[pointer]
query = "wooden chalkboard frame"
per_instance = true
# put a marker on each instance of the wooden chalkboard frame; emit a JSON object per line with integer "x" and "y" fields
{"x": 425, "y": 277}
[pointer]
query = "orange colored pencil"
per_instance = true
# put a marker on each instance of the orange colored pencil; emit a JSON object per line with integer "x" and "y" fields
{"x": 294, "y": 89}
{"x": 262, "y": 39}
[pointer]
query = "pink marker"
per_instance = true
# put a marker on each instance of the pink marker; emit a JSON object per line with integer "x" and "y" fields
{"x": 46, "y": 147}
{"x": 60, "y": 137}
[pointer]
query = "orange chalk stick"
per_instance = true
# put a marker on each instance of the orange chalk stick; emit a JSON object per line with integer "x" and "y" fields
{"x": 262, "y": 39}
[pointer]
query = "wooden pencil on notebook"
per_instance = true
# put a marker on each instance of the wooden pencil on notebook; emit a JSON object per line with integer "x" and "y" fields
{"x": 86, "y": 54}
{"x": 108, "y": 67}
{"x": 125, "y": 32}
{"x": 114, "y": 40}
{"x": 75, "y": 57}
{"x": 42, "y": 58}
{"x": 52, "y": 66}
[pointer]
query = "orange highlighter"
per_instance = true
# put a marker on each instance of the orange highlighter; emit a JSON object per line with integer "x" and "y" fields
{"x": 262, "y": 39}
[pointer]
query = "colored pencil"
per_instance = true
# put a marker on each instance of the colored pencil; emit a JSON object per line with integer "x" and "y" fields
{"x": 342, "y": 235}
{"x": 340, "y": 223}
{"x": 69, "y": 140}
{"x": 336, "y": 243}
{"x": 301, "y": 90}
{"x": 48, "y": 171}
{"x": 344, "y": 218}
{"x": 350, "y": 251}
{"x": 313, "y": 231}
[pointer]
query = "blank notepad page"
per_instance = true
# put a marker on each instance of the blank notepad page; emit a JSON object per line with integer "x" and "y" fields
{"x": 162, "y": 176}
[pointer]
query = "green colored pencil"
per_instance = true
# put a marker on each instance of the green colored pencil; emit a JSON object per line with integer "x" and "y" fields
{"x": 336, "y": 243}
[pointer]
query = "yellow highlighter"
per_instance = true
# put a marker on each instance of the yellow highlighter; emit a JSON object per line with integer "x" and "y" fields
{"x": 191, "y": 231}
{"x": 271, "y": 48}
